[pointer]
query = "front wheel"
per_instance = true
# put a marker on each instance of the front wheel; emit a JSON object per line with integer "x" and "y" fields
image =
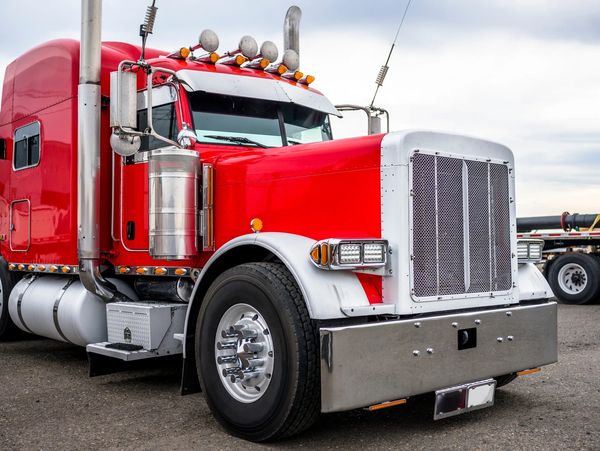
{"x": 257, "y": 353}
{"x": 575, "y": 278}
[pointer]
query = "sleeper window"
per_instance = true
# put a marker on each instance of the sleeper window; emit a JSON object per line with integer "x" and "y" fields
{"x": 27, "y": 146}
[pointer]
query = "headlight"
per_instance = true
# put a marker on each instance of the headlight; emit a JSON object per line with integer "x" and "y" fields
{"x": 529, "y": 251}
{"x": 349, "y": 254}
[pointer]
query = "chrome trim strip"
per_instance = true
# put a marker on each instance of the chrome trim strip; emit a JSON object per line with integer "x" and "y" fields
{"x": 207, "y": 214}
{"x": 20, "y": 301}
{"x": 59, "y": 297}
{"x": 466, "y": 240}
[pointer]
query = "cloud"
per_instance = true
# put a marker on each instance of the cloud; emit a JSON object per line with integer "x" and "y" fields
{"x": 521, "y": 73}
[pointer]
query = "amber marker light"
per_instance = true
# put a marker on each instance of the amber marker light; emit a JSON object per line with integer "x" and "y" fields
{"x": 11, "y": 266}
{"x": 160, "y": 271}
{"x": 21, "y": 267}
{"x": 385, "y": 405}
{"x": 314, "y": 255}
{"x": 256, "y": 225}
{"x": 53, "y": 268}
{"x": 307, "y": 79}
{"x": 141, "y": 270}
{"x": 31, "y": 267}
{"x": 324, "y": 254}
{"x": 123, "y": 269}
{"x": 531, "y": 371}
{"x": 296, "y": 75}
{"x": 180, "y": 271}
{"x": 184, "y": 52}
{"x": 66, "y": 269}
{"x": 41, "y": 268}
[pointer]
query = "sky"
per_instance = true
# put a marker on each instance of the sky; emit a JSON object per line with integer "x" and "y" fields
{"x": 524, "y": 73}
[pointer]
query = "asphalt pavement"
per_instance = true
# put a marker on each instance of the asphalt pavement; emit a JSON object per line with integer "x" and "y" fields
{"x": 47, "y": 401}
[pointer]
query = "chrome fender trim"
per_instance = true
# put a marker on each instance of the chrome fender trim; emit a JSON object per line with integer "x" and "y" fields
{"x": 328, "y": 294}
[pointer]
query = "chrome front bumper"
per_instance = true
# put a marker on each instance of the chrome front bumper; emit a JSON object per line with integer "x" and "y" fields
{"x": 377, "y": 362}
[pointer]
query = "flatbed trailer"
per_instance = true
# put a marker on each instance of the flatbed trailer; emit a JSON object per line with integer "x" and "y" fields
{"x": 571, "y": 257}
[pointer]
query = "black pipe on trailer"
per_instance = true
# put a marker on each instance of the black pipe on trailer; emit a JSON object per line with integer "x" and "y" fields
{"x": 566, "y": 222}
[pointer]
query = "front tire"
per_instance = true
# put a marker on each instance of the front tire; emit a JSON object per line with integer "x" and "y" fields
{"x": 575, "y": 278}
{"x": 257, "y": 353}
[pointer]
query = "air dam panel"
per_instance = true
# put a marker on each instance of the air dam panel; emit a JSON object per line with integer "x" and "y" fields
{"x": 61, "y": 308}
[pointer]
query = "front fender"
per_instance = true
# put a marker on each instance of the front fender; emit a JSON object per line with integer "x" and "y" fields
{"x": 326, "y": 293}
{"x": 532, "y": 284}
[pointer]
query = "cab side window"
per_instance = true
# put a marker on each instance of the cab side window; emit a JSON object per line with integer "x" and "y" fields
{"x": 165, "y": 124}
{"x": 26, "y": 146}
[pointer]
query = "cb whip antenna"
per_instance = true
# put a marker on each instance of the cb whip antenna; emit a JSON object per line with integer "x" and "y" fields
{"x": 147, "y": 26}
{"x": 384, "y": 69}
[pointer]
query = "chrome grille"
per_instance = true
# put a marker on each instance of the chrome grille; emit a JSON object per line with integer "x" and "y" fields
{"x": 460, "y": 226}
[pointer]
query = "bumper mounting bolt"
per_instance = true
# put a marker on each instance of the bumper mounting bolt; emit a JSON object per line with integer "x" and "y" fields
{"x": 510, "y": 338}
{"x": 478, "y": 322}
{"x": 416, "y": 353}
{"x": 417, "y": 324}
{"x": 455, "y": 325}
{"x": 499, "y": 339}
{"x": 429, "y": 350}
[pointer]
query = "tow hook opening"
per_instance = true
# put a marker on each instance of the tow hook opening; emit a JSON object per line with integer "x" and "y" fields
{"x": 467, "y": 338}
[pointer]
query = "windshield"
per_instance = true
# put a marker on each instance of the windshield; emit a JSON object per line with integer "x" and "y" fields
{"x": 254, "y": 122}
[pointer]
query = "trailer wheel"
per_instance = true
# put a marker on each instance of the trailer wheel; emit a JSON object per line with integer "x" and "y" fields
{"x": 7, "y": 328}
{"x": 575, "y": 278}
{"x": 257, "y": 353}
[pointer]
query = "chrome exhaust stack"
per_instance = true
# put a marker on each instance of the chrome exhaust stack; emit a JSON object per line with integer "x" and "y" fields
{"x": 88, "y": 154}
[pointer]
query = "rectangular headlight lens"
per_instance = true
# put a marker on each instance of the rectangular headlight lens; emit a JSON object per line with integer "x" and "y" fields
{"x": 530, "y": 250}
{"x": 535, "y": 251}
{"x": 522, "y": 249}
{"x": 349, "y": 254}
{"x": 373, "y": 253}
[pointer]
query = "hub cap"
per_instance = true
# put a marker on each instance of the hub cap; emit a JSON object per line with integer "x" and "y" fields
{"x": 244, "y": 353}
{"x": 572, "y": 278}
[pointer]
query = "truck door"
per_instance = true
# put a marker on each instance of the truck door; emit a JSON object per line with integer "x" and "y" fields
{"x": 26, "y": 155}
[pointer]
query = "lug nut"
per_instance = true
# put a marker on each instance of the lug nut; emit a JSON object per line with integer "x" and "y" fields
{"x": 226, "y": 345}
{"x": 227, "y": 359}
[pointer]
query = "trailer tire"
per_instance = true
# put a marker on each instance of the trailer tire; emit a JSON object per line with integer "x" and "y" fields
{"x": 7, "y": 327}
{"x": 266, "y": 303}
{"x": 575, "y": 278}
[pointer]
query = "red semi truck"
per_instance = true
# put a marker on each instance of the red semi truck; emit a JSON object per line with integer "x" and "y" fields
{"x": 159, "y": 203}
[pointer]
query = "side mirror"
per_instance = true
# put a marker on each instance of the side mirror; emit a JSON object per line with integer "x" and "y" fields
{"x": 186, "y": 137}
{"x": 123, "y": 100}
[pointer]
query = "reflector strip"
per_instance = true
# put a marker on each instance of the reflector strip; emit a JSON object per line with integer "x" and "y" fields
{"x": 387, "y": 404}
{"x": 525, "y": 372}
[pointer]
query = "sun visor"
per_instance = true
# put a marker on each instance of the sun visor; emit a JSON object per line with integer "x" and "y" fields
{"x": 255, "y": 88}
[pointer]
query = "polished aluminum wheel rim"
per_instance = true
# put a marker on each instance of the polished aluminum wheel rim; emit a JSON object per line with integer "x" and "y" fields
{"x": 244, "y": 353}
{"x": 572, "y": 278}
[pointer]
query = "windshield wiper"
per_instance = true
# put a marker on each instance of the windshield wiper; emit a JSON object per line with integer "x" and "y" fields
{"x": 236, "y": 139}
